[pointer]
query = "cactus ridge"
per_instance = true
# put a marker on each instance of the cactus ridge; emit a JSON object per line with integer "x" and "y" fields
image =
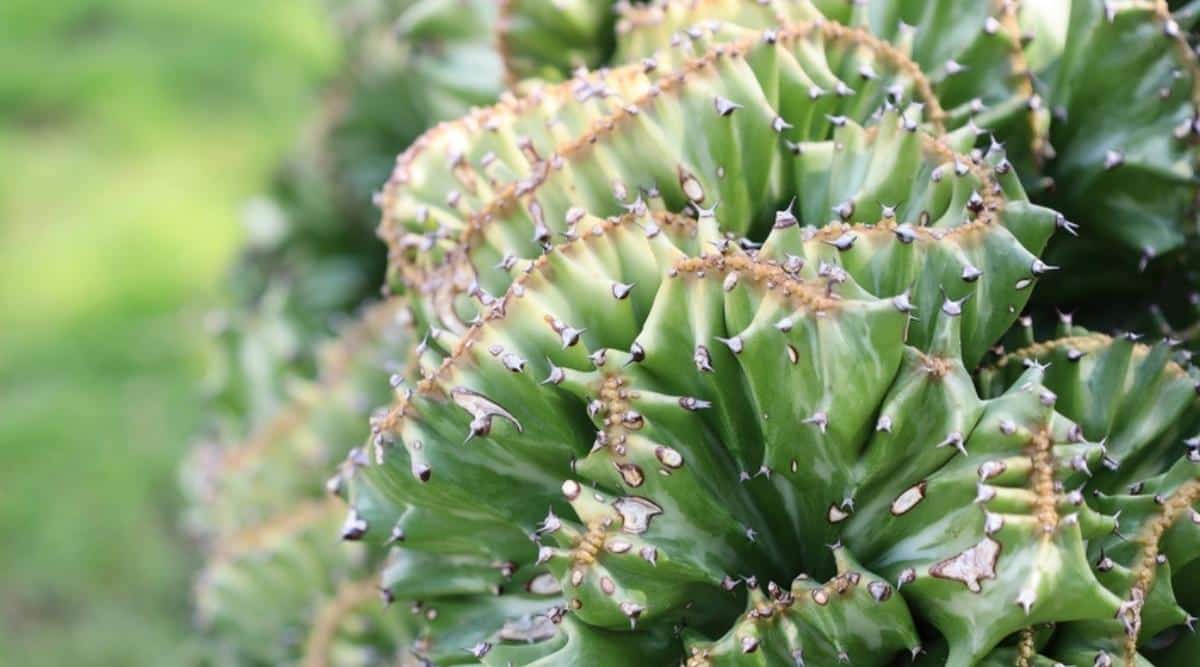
{"x": 963, "y": 237}
{"x": 482, "y": 347}
{"x": 1174, "y": 506}
{"x": 994, "y": 63}
{"x": 350, "y": 596}
{"x": 337, "y": 357}
{"x": 245, "y": 481}
{"x": 605, "y": 127}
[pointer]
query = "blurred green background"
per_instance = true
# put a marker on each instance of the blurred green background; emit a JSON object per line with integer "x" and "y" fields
{"x": 131, "y": 132}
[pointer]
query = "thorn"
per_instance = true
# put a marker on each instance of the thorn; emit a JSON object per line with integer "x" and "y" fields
{"x": 637, "y": 206}
{"x": 636, "y": 353}
{"x": 396, "y": 536}
{"x": 845, "y": 210}
{"x": 984, "y": 494}
{"x": 650, "y": 555}
{"x": 1039, "y": 268}
{"x": 1062, "y": 223}
{"x": 820, "y": 419}
{"x": 573, "y": 215}
{"x": 1113, "y": 159}
{"x": 706, "y": 213}
{"x": 1148, "y": 254}
{"x": 725, "y": 106}
{"x": 423, "y": 472}
{"x": 570, "y": 336}
{"x": 952, "y": 307}
{"x": 354, "y": 527}
{"x": 1025, "y": 600}
{"x": 513, "y": 362}
{"x": 632, "y": 611}
{"x": 845, "y": 241}
{"x": 786, "y": 218}
{"x": 551, "y": 523}
{"x": 956, "y": 440}
{"x": 556, "y": 376}
{"x": 902, "y": 302}
{"x": 599, "y": 357}
{"x": 479, "y": 650}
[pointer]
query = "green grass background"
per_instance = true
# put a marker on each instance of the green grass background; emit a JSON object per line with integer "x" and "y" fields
{"x": 131, "y": 133}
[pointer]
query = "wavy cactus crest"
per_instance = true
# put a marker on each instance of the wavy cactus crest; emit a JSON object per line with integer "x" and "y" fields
{"x": 714, "y": 371}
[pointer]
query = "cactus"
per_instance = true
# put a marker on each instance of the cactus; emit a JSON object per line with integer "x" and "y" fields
{"x": 718, "y": 366}
{"x": 311, "y": 254}
{"x": 1039, "y": 77}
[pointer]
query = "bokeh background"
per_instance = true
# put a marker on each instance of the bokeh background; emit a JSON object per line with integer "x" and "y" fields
{"x": 132, "y": 134}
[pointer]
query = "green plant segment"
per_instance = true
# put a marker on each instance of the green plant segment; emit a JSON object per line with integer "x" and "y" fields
{"x": 710, "y": 368}
{"x": 311, "y": 252}
{"x": 1039, "y": 76}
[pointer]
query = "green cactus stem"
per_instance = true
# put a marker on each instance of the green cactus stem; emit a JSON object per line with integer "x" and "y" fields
{"x": 718, "y": 364}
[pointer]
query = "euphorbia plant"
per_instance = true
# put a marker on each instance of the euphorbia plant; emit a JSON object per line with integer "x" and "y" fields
{"x": 710, "y": 358}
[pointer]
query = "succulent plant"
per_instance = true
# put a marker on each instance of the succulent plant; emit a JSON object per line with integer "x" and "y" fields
{"x": 311, "y": 254}
{"x": 1039, "y": 77}
{"x": 718, "y": 365}
{"x": 508, "y": 40}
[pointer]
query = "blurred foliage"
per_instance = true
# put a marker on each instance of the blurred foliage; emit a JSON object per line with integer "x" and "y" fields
{"x": 133, "y": 132}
